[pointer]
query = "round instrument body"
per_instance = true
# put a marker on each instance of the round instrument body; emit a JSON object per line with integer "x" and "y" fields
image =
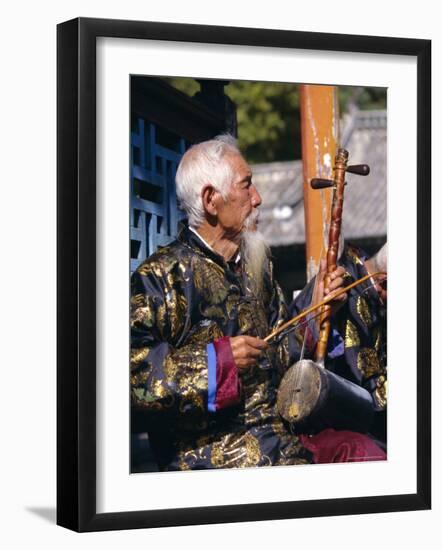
{"x": 299, "y": 391}
{"x": 312, "y": 398}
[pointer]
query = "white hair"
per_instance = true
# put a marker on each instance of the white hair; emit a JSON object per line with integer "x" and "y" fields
{"x": 204, "y": 163}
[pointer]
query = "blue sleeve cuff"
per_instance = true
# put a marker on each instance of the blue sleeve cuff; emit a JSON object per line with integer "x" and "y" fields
{"x": 211, "y": 363}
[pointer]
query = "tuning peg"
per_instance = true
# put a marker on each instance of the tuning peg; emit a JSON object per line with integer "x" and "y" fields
{"x": 319, "y": 183}
{"x": 359, "y": 169}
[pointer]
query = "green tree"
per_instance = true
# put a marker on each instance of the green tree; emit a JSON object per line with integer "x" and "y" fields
{"x": 268, "y": 119}
{"x": 269, "y": 127}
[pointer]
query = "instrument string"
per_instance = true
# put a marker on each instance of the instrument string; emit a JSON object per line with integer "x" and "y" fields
{"x": 306, "y": 324}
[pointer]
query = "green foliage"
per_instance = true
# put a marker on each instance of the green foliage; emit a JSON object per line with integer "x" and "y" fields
{"x": 268, "y": 117}
{"x": 188, "y": 86}
{"x": 269, "y": 126}
{"x": 268, "y": 120}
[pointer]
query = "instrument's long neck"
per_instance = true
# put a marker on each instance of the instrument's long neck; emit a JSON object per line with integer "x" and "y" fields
{"x": 333, "y": 247}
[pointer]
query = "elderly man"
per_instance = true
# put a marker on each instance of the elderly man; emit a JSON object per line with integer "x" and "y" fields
{"x": 200, "y": 369}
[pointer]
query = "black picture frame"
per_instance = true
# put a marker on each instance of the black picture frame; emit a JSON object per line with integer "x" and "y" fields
{"x": 76, "y": 273}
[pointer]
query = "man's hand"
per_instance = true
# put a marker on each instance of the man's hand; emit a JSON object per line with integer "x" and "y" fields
{"x": 336, "y": 283}
{"x": 246, "y": 350}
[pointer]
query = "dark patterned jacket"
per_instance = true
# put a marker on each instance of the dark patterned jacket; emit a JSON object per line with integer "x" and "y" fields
{"x": 199, "y": 412}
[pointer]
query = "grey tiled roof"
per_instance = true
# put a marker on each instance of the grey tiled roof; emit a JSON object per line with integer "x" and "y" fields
{"x": 364, "y": 135}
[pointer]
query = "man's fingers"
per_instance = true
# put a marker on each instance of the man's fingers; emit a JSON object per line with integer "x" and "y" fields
{"x": 245, "y": 363}
{"x": 253, "y": 352}
{"x": 338, "y": 272}
{"x": 332, "y": 294}
{"x": 336, "y": 280}
{"x": 246, "y": 350}
{"x": 335, "y": 284}
{"x": 256, "y": 343}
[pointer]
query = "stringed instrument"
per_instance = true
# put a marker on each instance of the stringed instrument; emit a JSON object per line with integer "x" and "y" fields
{"x": 310, "y": 397}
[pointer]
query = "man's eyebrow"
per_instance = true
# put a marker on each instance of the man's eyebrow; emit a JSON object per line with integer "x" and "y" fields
{"x": 246, "y": 178}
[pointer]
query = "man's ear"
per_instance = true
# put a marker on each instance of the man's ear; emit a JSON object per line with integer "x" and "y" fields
{"x": 208, "y": 196}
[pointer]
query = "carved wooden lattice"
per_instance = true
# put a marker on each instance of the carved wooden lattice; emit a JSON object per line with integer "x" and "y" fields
{"x": 154, "y": 212}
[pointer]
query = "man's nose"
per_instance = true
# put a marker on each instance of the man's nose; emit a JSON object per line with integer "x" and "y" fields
{"x": 256, "y": 197}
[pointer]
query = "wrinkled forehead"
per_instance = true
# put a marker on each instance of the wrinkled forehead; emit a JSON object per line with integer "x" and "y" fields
{"x": 238, "y": 163}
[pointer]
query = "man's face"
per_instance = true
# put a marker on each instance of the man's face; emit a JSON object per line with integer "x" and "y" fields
{"x": 242, "y": 200}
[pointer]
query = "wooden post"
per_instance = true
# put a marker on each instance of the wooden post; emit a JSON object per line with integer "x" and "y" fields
{"x": 320, "y": 134}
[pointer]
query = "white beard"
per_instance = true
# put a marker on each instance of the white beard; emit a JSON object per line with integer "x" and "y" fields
{"x": 255, "y": 252}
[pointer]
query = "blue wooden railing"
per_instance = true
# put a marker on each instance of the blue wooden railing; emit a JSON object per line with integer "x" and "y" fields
{"x": 154, "y": 213}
